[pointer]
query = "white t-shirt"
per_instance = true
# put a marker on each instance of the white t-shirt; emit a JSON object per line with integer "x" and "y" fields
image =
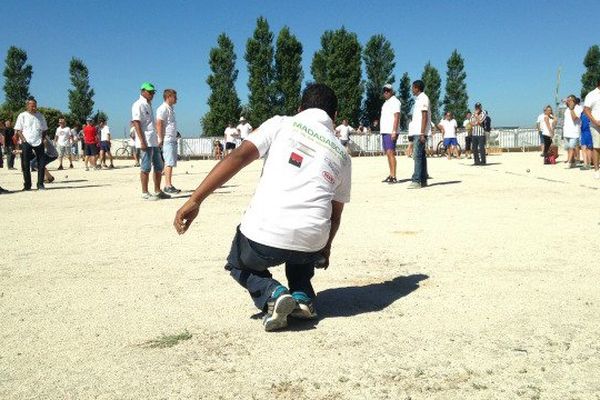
{"x": 545, "y": 130}
{"x": 540, "y": 121}
{"x": 74, "y": 135}
{"x": 230, "y": 135}
{"x": 306, "y": 169}
{"x": 344, "y": 131}
{"x": 449, "y": 128}
{"x": 31, "y": 126}
{"x": 244, "y": 130}
{"x": 141, "y": 111}
{"x": 63, "y": 135}
{"x": 166, "y": 114}
{"x": 421, "y": 104}
{"x": 104, "y": 132}
{"x": 592, "y": 101}
{"x": 390, "y": 107}
{"x": 572, "y": 129}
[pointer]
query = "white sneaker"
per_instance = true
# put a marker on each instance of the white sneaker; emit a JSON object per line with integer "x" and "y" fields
{"x": 148, "y": 196}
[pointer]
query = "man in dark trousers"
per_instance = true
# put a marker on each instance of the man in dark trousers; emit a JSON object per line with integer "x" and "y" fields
{"x": 31, "y": 128}
{"x": 296, "y": 210}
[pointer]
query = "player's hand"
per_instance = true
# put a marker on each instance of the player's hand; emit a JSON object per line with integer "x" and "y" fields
{"x": 422, "y": 139}
{"x": 160, "y": 143}
{"x": 394, "y": 136}
{"x": 144, "y": 145}
{"x": 323, "y": 262}
{"x": 185, "y": 216}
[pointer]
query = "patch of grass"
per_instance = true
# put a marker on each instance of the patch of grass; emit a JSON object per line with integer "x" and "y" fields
{"x": 166, "y": 341}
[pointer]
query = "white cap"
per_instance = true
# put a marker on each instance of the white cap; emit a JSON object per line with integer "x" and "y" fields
{"x": 242, "y": 119}
{"x": 388, "y": 86}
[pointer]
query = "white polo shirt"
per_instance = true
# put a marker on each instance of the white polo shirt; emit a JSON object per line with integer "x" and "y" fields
{"x": 449, "y": 128}
{"x": 572, "y": 129}
{"x": 31, "y": 126}
{"x": 62, "y": 136}
{"x": 230, "y": 134}
{"x": 245, "y": 129}
{"x": 344, "y": 131}
{"x": 421, "y": 104}
{"x": 390, "y": 107}
{"x": 540, "y": 121}
{"x": 141, "y": 111}
{"x": 306, "y": 169}
{"x": 74, "y": 135}
{"x": 104, "y": 132}
{"x": 592, "y": 101}
{"x": 545, "y": 130}
{"x": 166, "y": 114}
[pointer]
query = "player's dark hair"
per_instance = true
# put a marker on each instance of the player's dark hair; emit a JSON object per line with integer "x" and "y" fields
{"x": 319, "y": 95}
{"x": 420, "y": 85}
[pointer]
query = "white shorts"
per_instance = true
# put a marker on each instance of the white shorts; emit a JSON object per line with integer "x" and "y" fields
{"x": 169, "y": 151}
{"x": 595, "y": 136}
{"x": 64, "y": 150}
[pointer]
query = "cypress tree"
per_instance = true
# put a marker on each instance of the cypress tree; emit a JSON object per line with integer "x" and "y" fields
{"x": 338, "y": 64}
{"x": 17, "y": 76}
{"x": 223, "y": 101}
{"x": 288, "y": 73}
{"x": 456, "y": 98}
{"x": 431, "y": 79}
{"x": 81, "y": 103}
{"x": 405, "y": 96}
{"x": 259, "y": 56}
{"x": 378, "y": 56}
{"x": 589, "y": 79}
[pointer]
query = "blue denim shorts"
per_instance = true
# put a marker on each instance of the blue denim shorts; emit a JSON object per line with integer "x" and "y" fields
{"x": 169, "y": 152}
{"x": 571, "y": 143}
{"x": 151, "y": 158}
{"x": 450, "y": 142}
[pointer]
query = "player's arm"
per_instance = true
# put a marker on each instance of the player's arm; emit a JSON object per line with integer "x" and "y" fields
{"x": 549, "y": 125}
{"x": 336, "y": 218}
{"x": 138, "y": 131}
{"x": 217, "y": 177}
{"x": 588, "y": 112}
{"x": 424, "y": 121}
{"x": 395, "y": 125}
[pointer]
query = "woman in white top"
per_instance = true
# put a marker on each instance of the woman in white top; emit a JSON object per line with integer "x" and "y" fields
{"x": 547, "y": 127}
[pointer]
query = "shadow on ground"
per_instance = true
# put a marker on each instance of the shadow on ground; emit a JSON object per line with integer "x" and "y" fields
{"x": 443, "y": 183}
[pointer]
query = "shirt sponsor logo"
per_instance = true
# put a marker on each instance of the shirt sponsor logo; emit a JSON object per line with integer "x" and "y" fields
{"x": 334, "y": 167}
{"x": 296, "y": 159}
{"x": 334, "y": 146}
{"x": 328, "y": 177}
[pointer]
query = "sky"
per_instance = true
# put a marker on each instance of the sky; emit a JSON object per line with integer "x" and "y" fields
{"x": 512, "y": 49}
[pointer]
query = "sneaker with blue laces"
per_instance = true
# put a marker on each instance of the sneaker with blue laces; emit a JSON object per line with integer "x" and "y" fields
{"x": 279, "y": 306}
{"x": 304, "y": 307}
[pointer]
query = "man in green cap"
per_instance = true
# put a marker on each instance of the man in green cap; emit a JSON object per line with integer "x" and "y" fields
{"x": 146, "y": 139}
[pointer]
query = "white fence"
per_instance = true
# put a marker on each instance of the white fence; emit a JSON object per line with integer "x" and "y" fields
{"x": 370, "y": 144}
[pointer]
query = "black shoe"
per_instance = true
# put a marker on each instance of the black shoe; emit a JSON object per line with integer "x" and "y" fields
{"x": 41, "y": 187}
{"x": 26, "y": 189}
{"x": 386, "y": 180}
{"x": 392, "y": 180}
{"x": 60, "y": 168}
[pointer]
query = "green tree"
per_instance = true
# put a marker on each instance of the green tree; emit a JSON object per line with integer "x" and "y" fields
{"x": 288, "y": 73}
{"x": 17, "y": 75}
{"x": 431, "y": 79}
{"x": 378, "y": 56}
{"x": 456, "y": 99}
{"x": 338, "y": 64}
{"x": 98, "y": 115}
{"x": 81, "y": 102}
{"x": 223, "y": 101}
{"x": 589, "y": 79}
{"x": 405, "y": 96}
{"x": 259, "y": 56}
{"x": 52, "y": 115}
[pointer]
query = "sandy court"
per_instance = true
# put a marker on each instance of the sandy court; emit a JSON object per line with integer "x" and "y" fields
{"x": 482, "y": 286}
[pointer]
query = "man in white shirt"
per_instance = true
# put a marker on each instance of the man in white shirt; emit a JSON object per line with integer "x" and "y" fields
{"x": 389, "y": 127}
{"x": 166, "y": 125}
{"x": 105, "y": 138}
{"x": 244, "y": 128}
{"x": 63, "y": 140}
{"x": 296, "y": 209}
{"x": 231, "y": 134}
{"x": 448, "y": 127}
{"x": 592, "y": 110}
{"x": 146, "y": 140}
{"x": 75, "y": 141}
{"x": 343, "y": 132}
{"x": 538, "y": 124}
{"x": 31, "y": 128}
{"x": 469, "y": 134}
{"x": 572, "y": 128}
{"x": 419, "y": 128}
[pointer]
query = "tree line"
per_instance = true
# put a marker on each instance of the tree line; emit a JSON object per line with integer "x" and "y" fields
{"x": 17, "y": 77}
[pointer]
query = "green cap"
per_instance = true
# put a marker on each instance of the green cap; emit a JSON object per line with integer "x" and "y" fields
{"x": 147, "y": 86}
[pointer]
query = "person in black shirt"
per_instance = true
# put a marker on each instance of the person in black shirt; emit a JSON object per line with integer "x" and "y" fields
{"x": 9, "y": 145}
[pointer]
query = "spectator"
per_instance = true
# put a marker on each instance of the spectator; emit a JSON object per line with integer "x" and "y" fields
{"x": 230, "y": 135}
{"x": 539, "y": 124}
{"x": 548, "y": 125}
{"x": 572, "y": 128}
{"x": 9, "y": 144}
{"x": 91, "y": 150}
{"x": 75, "y": 142}
{"x": 592, "y": 110}
{"x": 479, "y": 138}
{"x": 343, "y": 132}
{"x": 390, "y": 123}
{"x": 448, "y": 127}
{"x": 468, "y": 134}
{"x": 105, "y": 139}
{"x": 587, "y": 146}
{"x": 166, "y": 125}
{"x": 244, "y": 128}
{"x": 63, "y": 140}
{"x": 31, "y": 128}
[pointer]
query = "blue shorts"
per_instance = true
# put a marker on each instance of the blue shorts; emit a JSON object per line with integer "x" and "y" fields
{"x": 571, "y": 143}
{"x": 388, "y": 143}
{"x": 586, "y": 139}
{"x": 450, "y": 142}
{"x": 151, "y": 158}
{"x": 105, "y": 146}
{"x": 169, "y": 152}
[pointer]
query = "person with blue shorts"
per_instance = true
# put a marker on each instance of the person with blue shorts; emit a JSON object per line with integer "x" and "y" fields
{"x": 587, "y": 146}
{"x": 146, "y": 140}
{"x": 448, "y": 127}
{"x": 390, "y": 122}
